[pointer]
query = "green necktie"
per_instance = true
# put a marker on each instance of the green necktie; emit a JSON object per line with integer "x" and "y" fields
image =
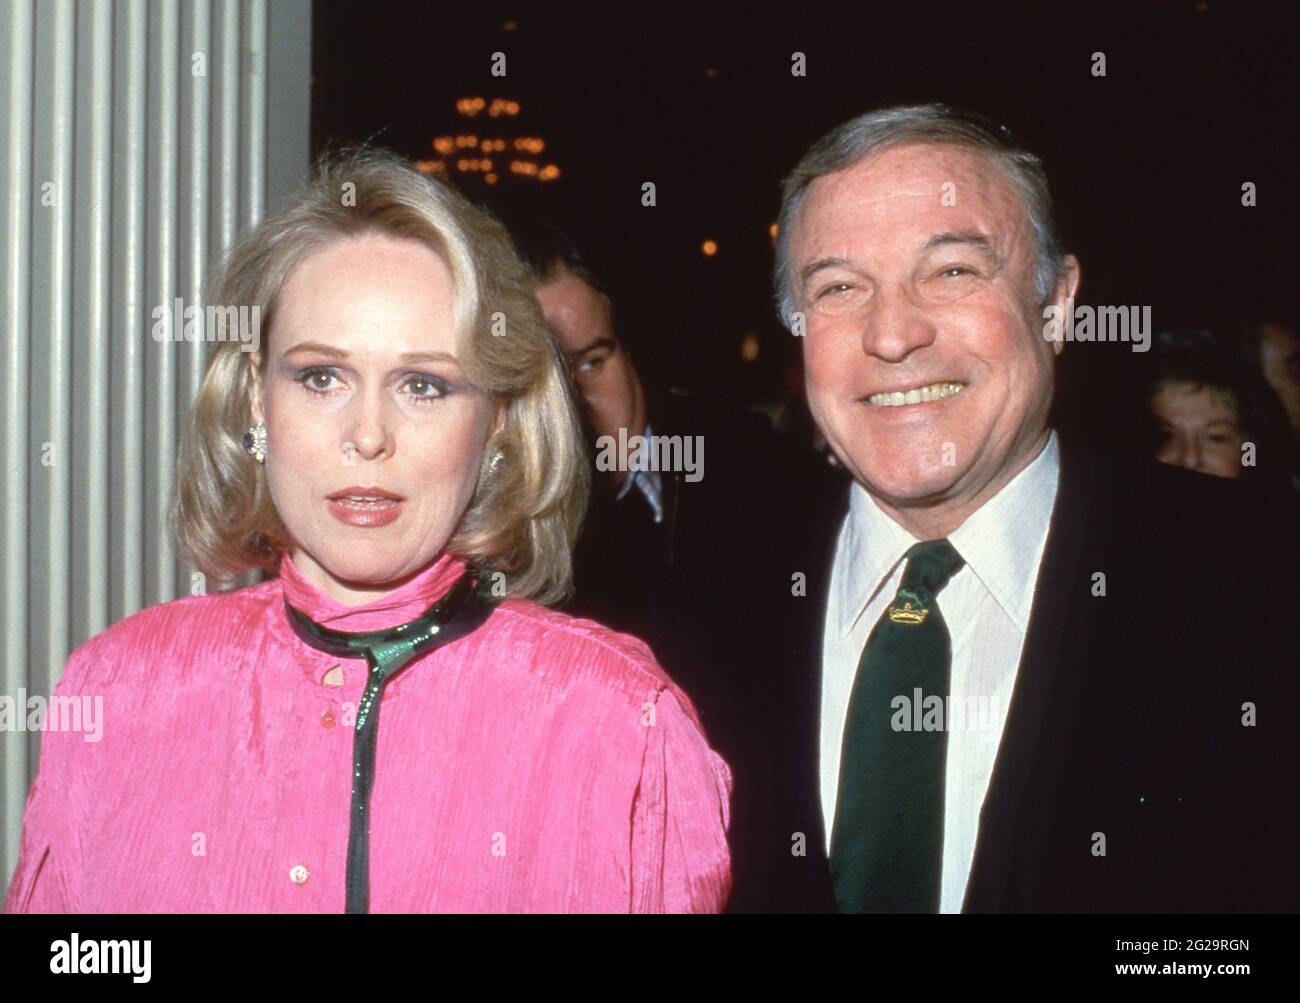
{"x": 460, "y": 611}
{"x": 887, "y": 839}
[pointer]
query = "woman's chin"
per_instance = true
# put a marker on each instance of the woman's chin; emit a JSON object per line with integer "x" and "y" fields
{"x": 368, "y": 571}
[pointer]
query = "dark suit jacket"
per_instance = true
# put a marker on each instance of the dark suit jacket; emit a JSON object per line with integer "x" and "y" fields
{"x": 624, "y": 561}
{"x": 1126, "y": 720}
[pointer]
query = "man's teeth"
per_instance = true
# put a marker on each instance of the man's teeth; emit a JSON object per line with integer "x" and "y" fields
{"x": 918, "y": 395}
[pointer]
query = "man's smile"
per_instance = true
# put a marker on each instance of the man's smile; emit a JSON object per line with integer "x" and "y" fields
{"x": 916, "y": 395}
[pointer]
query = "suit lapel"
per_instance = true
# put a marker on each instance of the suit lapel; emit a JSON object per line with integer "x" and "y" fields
{"x": 1017, "y": 814}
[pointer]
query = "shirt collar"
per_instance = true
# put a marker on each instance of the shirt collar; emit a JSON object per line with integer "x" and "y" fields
{"x": 633, "y": 474}
{"x": 400, "y": 606}
{"x": 648, "y": 482}
{"x": 996, "y": 541}
{"x": 1003, "y": 540}
{"x": 875, "y": 544}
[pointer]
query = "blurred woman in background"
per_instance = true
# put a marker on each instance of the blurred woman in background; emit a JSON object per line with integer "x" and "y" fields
{"x": 1211, "y": 409}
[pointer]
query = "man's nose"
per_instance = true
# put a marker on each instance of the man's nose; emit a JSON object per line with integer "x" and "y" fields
{"x": 587, "y": 403}
{"x": 895, "y": 326}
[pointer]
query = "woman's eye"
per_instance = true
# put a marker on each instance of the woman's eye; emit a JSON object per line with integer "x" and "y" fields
{"x": 317, "y": 380}
{"x": 426, "y": 387}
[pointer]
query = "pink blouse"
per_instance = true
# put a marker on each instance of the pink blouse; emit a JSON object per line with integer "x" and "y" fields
{"x": 539, "y": 764}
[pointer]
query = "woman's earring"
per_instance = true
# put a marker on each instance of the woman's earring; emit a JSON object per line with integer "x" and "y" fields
{"x": 255, "y": 442}
{"x": 496, "y": 461}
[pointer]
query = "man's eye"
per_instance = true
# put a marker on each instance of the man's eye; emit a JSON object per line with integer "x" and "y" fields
{"x": 834, "y": 289}
{"x": 588, "y": 366}
{"x": 956, "y": 271}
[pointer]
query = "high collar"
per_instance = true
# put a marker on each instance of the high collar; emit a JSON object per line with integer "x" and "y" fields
{"x": 398, "y": 607}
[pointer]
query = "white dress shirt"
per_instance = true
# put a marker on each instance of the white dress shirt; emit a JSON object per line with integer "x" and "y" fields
{"x": 986, "y": 607}
{"x": 648, "y": 482}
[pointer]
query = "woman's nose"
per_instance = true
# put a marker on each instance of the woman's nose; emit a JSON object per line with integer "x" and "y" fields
{"x": 1179, "y": 451}
{"x": 370, "y": 435}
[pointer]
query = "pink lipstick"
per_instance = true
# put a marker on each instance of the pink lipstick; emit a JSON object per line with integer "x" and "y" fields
{"x": 368, "y": 508}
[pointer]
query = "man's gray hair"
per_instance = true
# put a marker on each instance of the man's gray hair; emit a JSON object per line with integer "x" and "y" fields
{"x": 875, "y": 131}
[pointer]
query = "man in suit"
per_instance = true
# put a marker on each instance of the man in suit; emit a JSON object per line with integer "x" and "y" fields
{"x": 1001, "y": 674}
{"x": 645, "y": 527}
{"x": 629, "y": 533}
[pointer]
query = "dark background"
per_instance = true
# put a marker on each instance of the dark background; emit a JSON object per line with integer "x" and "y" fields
{"x": 1147, "y": 162}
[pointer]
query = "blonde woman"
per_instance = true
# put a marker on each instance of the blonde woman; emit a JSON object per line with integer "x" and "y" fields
{"x": 395, "y": 722}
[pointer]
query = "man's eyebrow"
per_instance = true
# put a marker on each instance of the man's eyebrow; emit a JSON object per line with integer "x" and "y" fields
{"x": 602, "y": 342}
{"x": 969, "y": 237}
{"x": 406, "y": 359}
{"x": 972, "y": 238}
{"x": 809, "y": 270}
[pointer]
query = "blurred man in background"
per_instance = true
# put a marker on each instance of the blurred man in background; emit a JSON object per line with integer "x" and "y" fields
{"x": 663, "y": 555}
{"x": 630, "y": 534}
{"x": 1279, "y": 356}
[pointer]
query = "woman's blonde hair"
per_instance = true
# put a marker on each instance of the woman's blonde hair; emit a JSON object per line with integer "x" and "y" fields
{"x": 528, "y": 504}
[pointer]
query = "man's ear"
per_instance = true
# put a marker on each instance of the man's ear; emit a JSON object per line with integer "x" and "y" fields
{"x": 255, "y": 388}
{"x": 1067, "y": 285}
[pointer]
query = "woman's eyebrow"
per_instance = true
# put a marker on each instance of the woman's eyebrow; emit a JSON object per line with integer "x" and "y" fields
{"x": 407, "y": 358}
{"x": 318, "y": 348}
{"x": 410, "y": 357}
